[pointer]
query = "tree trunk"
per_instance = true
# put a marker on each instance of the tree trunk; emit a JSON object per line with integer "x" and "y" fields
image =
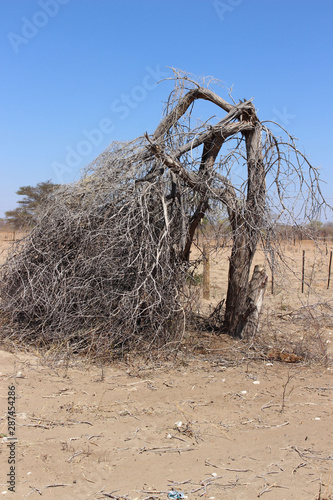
{"x": 246, "y": 222}
{"x": 249, "y": 325}
{"x": 244, "y": 299}
{"x": 248, "y": 321}
{"x": 238, "y": 282}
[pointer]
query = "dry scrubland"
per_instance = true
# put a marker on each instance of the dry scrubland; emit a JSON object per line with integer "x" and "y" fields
{"x": 293, "y": 321}
{"x": 218, "y": 420}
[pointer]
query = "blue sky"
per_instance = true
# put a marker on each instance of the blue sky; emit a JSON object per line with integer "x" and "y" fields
{"x": 79, "y": 74}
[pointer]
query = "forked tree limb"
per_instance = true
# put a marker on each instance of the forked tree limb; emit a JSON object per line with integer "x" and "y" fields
{"x": 190, "y": 178}
{"x": 218, "y": 130}
{"x": 210, "y": 152}
{"x": 184, "y": 103}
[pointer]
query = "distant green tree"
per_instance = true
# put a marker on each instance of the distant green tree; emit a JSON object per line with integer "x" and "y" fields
{"x": 3, "y": 223}
{"x": 34, "y": 197}
{"x": 314, "y": 228}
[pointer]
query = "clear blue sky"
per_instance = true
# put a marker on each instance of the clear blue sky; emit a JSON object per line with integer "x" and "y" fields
{"x": 79, "y": 74}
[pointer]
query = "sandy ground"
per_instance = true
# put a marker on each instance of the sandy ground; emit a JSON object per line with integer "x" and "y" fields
{"x": 199, "y": 423}
{"x": 210, "y": 431}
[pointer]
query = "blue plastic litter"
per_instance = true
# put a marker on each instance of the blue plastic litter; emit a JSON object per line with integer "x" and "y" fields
{"x": 175, "y": 494}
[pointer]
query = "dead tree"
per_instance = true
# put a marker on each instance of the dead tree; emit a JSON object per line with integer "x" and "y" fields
{"x": 114, "y": 250}
{"x": 261, "y": 155}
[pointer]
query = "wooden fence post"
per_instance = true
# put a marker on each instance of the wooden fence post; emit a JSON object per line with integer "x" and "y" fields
{"x": 206, "y": 272}
{"x": 273, "y": 265}
{"x": 303, "y": 270}
{"x": 329, "y": 271}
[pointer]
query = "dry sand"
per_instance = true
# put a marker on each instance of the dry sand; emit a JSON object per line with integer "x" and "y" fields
{"x": 208, "y": 430}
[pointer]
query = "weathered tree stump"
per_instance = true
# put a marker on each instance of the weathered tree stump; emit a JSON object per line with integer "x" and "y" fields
{"x": 249, "y": 323}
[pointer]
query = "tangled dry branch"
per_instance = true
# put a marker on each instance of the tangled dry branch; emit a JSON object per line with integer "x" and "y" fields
{"x": 103, "y": 260}
{"x": 107, "y": 265}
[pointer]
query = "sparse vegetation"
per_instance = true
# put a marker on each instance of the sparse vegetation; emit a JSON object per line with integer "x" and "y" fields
{"x": 30, "y": 206}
